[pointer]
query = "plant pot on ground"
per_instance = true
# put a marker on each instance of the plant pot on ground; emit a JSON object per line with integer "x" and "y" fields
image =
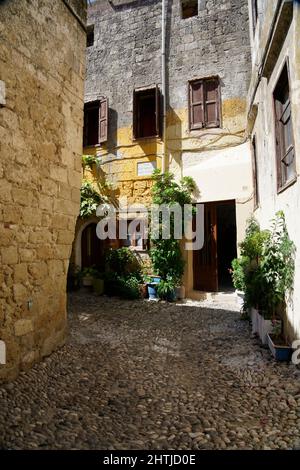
{"x": 166, "y": 290}
{"x": 280, "y": 350}
{"x": 87, "y": 276}
{"x": 180, "y": 292}
{"x": 98, "y": 285}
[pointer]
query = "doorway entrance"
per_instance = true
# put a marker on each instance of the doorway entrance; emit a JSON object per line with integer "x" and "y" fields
{"x": 211, "y": 264}
{"x": 92, "y": 248}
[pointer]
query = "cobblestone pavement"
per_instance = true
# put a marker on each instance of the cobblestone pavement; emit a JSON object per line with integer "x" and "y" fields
{"x": 136, "y": 374}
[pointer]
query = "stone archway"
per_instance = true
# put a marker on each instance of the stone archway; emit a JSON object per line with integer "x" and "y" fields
{"x": 78, "y": 240}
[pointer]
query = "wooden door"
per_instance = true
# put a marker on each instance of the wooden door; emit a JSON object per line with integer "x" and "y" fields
{"x": 92, "y": 248}
{"x": 205, "y": 261}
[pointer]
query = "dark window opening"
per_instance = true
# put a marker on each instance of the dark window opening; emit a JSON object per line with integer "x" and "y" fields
{"x": 204, "y": 103}
{"x": 136, "y": 236}
{"x": 189, "y": 8}
{"x": 95, "y": 122}
{"x": 255, "y": 175}
{"x": 254, "y": 14}
{"x": 285, "y": 150}
{"x": 146, "y": 113}
{"x": 90, "y": 36}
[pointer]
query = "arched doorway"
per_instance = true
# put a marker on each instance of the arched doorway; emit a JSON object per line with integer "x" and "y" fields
{"x": 92, "y": 248}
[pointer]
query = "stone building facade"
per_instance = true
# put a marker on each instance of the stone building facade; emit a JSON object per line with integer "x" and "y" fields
{"x": 275, "y": 82}
{"x": 207, "y": 47}
{"x": 42, "y": 65}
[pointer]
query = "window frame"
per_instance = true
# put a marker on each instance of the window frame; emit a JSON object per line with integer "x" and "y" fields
{"x": 135, "y": 129}
{"x": 283, "y": 183}
{"x": 187, "y": 17}
{"x": 99, "y": 105}
{"x": 90, "y": 30}
{"x": 205, "y": 125}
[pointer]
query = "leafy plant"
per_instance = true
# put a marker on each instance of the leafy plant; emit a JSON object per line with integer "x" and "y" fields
{"x": 89, "y": 200}
{"x": 129, "y": 288}
{"x": 89, "y": 160}
{"x": 266, "y": 267}
{"x": 166, "y": 290}
{"x": 167, "y": 260}
{"x": 123, "y": 262}
{"x": 278, "y": 264}
{"x": 89, "y": 272}
{"x": 166, "y": 254}
{"x": 238, "y": 272}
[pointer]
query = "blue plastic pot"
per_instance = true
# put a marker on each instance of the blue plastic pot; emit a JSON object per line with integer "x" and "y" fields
{"x": 152, "y": 290}
{"x": 280, "y": 353}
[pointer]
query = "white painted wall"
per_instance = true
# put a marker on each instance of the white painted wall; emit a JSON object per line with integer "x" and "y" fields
{"x": 289, "y": 199}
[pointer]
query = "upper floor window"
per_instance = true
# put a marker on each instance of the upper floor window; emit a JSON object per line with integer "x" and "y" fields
{"x": 189, "y": 8}
{"x": 95, "y": 122}
{"x": 204, "y": 103}
{"x": 285, "y": 150}
{"x": 146, "y": 113}
{"x": 90, "y": 36}
{"x": 254, "y": 13}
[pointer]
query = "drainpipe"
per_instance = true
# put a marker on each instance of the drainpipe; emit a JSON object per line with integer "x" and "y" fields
{"x": 163, "y": 84}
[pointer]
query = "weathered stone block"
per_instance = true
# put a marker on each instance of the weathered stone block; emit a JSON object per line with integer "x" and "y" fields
{"x": 9, "y": 255}
{"x": 20, "y": 273}
{"x": 23, "y": 326}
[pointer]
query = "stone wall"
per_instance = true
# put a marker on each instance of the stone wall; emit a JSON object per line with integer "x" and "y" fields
{"x": 42, "y": 64}
{"x": 127, "y": 54}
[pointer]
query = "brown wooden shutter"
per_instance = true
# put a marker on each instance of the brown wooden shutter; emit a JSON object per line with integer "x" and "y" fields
{"x": 212, "y": 102}
{"x": 157, "y": 111}
{"x": 279, "y": 146}
{"x": 103, "y": 120}
{"x": 196, "y": 104}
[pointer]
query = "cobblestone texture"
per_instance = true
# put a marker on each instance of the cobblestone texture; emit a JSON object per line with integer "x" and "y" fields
{"x": 155, "y": 376}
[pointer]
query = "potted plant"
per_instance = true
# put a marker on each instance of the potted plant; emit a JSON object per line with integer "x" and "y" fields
{"x": 98, "y": 283}
{"x": 238, "y": 278}
{"x": 246, "y": 273}
{"x": 152, "y": 285}
{"x": 277, "y": 268}
{"x": 278, "y": 346}
{"x": 166, "y": 290}
{"x": 87, "y": 276}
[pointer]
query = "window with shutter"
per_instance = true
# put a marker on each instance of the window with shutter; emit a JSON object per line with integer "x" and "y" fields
{"x": 103, "y": 120}
{"x": 204, "y": 103}
{"x": 95, "y": 122}
{"x": 146, "y": 113}
{"x": 285, "y": 149}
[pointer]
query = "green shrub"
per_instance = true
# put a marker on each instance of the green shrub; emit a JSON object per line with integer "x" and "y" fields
{"x": 238, "y": 272}
{"x": 166, "y": 290}
{"x": 123, "y": 262}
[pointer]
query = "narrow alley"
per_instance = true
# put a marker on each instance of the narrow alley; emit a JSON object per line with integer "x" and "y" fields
{"x": 147, "y": 375}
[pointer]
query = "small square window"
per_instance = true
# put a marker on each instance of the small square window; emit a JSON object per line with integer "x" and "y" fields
{"x": 90, "y": 36}
{"x": 189, "y": 8}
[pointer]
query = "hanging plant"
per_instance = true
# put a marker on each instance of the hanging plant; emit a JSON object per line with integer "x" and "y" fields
{"x": 89, "y": 200}
{"x": 89, "y": 160}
